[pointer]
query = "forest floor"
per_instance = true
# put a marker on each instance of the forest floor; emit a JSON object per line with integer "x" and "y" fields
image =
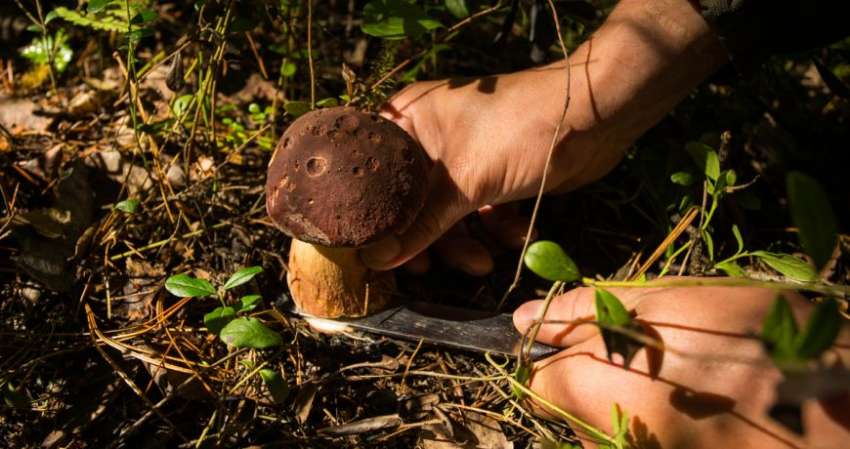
{"x": 131, "y": 161}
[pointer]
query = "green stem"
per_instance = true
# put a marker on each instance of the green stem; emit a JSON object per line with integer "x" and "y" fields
{"x": 593, "y": 431}
{"x": 831, "y": 290}
{"x": 673, "y": 257}
{"x": 540, "y": 316}
{"x": 710, "y": 214}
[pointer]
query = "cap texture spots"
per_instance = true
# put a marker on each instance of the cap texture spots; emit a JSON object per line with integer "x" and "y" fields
{"x": 342, "y": 177}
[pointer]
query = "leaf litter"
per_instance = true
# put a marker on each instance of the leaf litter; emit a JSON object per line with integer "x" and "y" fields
{"x": 81, "y": 274}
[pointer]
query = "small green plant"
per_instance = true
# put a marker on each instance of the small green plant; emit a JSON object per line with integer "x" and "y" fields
{"x": 234, "y": 330}
{"x": 809, "y": 210}
{"x": 812, "y": 214}
{"x": 396, "y": 19}
{"x": 129, "y": 205}
{"x": 548, "y": 260}
{"x": 42, "y": 49}
{"x": 108, "y": 15}
{"x": 791, "y": 347}
{"x": 14, "y": 398}
{"x": 276, "y": 384}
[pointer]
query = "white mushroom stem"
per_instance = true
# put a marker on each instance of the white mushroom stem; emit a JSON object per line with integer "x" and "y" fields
{"x": 332, "y": 282}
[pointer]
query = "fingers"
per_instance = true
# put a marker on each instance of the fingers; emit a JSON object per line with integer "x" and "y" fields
{"x": 574, "y": 380}
{"x": 505, "y": 223}
{"x": 419, "y": 264}
{"x": 564, "y": 323}
{"x": 444, "y": 207}
{"x": 461, "y": 252}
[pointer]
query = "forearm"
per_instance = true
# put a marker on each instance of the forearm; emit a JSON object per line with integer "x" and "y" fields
{"x": 645, "y": 59}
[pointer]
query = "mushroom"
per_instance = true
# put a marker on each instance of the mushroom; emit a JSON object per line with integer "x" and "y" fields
{"x": 340, "y": 179}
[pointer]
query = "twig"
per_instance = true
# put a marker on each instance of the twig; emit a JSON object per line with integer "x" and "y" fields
{"x": 310, "y": 54}
{"x": 556, "y": 135}
{"x": 92, "y": 333}
{"x": 674, "y": 234}
{"x": 410, "y": 362}
{"x": 167, "y": 241}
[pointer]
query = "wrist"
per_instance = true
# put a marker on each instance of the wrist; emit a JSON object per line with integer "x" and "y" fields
{"x": 645, "y": 59}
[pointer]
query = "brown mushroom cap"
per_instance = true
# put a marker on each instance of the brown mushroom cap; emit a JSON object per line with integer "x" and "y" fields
{"x": 341, "y": 177}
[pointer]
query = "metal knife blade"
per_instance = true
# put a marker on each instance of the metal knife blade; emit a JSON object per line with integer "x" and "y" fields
{"x": 452, "y": 327}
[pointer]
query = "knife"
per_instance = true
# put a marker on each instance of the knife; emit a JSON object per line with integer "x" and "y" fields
{"x": 448, "y": 326}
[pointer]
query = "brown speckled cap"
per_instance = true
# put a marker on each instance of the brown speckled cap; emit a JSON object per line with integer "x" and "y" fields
{"x": 341, "y": 177}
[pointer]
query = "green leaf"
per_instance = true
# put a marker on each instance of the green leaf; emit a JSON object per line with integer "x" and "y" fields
{"x": 396, "y": 19}
{"x": 249, "y": 333}
{"x": 328, "y": 103}
{"x": 522, "y": 375}
{"x": 821, "y": 330}
{"x": 458, "y": 8}
{"x": 789, "y": 266}
{"x": 144, "y": 17}
{"x": 731, "y": 177}
{"x": 682, "y": 178}
{"x": 276, "y": 384}
{"x": 242, "y": 276}
{"x": 128, "y": 205}
{"x": 813, "y": 216}
{"x": 50, "y": 16}
{"x": 709, "y": 244}
{"x": 218, "y": 318}
{"x": 548, "y": 260}
{"x": 297, "y": 108}
{"x": 249, "y": 302}
{"x": 705, "y": 158}
{"x": 181, "y": 104}
{"x": 835, "y": 85}
{"x": 287, "y": 70}
{"x": 611, "y": 312}
{"x": 249, "y": 365}
{"x": 779, "y": 330}
{"x": 141, "y": 33}
{"x": 187, "y": 286}
{"x": 39, "y": 49}
{"x": 621, "y": 426}
{"x": 731, "y": 269}
{"x": 14, "y": 398}
{"x": 738, "y": 238}
{"x": 96, "y": 6}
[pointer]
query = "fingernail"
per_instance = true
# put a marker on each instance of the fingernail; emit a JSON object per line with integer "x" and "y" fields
{"x": 380, "y": 255}
{"x": 527, "y": 313}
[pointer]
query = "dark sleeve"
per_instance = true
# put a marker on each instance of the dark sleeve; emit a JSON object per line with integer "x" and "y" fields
{"x": 752, "y": 30}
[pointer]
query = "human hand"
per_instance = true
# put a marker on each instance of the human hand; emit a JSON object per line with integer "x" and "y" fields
{"x": 489, "y": 144}
{"x": 489, "y": 138}
{"x": 711, "y": 387}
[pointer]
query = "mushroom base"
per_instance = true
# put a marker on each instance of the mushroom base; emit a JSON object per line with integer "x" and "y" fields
{"x": 333, "y": 282}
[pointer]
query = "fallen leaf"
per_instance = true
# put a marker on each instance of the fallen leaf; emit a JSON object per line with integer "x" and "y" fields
{"x": 363, "y": 426}
{"x": 22, "y": 114}
{"x": 49, "y": 236}
{"x": 476, "y": 431}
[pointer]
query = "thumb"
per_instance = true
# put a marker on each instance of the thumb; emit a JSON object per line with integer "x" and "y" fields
{"x": 444, "y": 206}
{"x": 565, "y": 323}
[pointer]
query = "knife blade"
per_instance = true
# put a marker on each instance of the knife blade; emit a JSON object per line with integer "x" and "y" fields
{"x": 447, "y": 326}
